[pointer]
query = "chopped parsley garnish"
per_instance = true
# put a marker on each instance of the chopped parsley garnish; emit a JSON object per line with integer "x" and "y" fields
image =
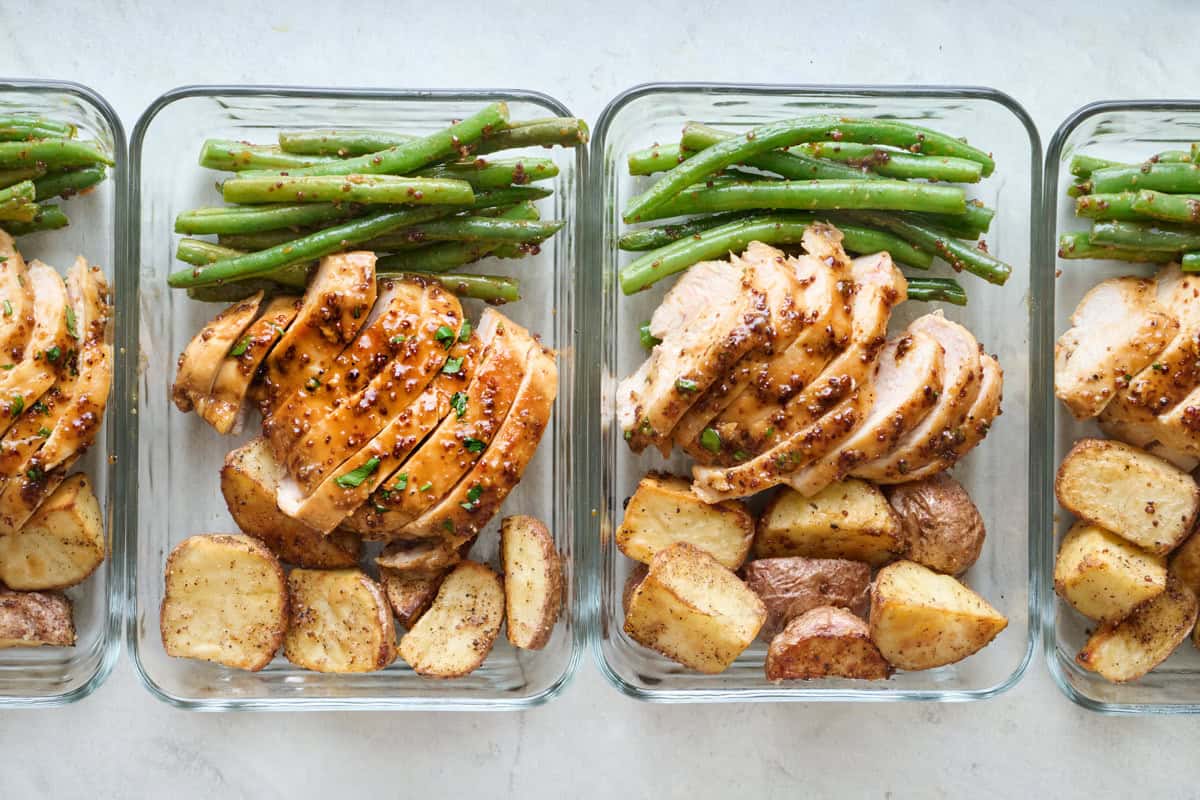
{"x": 445, "y": 335}
{"x": 312, "y": 384}
{"x": 648, "y": 341}
{"x": 452, "y": 366}
{"x": 458, "y": 401}
{"x": 401, "y": 483}
{"x": 354, "y": 478}
{"x": 448, "y": 524}
{"x": 464, "y": 332}
{"x": 44, "y": 432}
{"x": 474, "y": 492}
{"x": 685, "y": 385}
{"x": 474, "y": 445}
{"x": 425, "y": 487}
{"x": 710, "y": 440}
{"x": 769, "y": 432}
{"x": 8, "y": 366}
{"x": 380, "y": 509}
{"x": 741, "y": 455}
{"x": 70, "y": 321}
{"x": 34, "y": 474}
{"x": 40, "y": 407}
{"x": 628, "y": 435}
{"x": 399, "y": 338}
{"x": 8, "y": 309}
{"x": 240, "y": 347}
{"x": 53, "y": 354}
{"x": 1157, "y": 367}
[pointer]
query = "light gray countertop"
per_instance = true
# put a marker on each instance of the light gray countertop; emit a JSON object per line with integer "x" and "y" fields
{"x": 592, "y": 741}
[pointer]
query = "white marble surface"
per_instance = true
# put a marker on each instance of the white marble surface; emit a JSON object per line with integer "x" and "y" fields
{"x": 1052, "y": 57}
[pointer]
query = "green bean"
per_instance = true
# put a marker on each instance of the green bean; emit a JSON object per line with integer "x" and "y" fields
{"x": 1080, "y": 189}
{"x": 413, "y": 154}
{"x": 48, "y": 218}
{"x": 52, "y": 154}
{"x": 1078, "y": 245}
{"x": 200, "y": 252}
{"x": 366, "y": 189}
{"x": 1169, "y": 177}
{"x": 492, "y": 289}
{"x": 1190, "y": 262}
{"x": 959, "y": 255}
{"x": 661, "y": 235}
{"x": 1145, "y": 236}
{"x": 1117, "y": 205}
{"x": 1170, "y": 207}
{"x": 971, "y": 225}
{"x": 812, "y": 196}
{"x": 487, "y": 174}
{"x": 422, "y": 235}
{"x": 446, "y": 256}
{"x": 864, "y": 241}
{"x": 564, "y": 131}
{"x": 252, "y": 219}
{"x": 927, "y": 290}
{"x": 9, "y": 177}
{"x": 1082, "y": 166}
{"x": 896, "y": 164}
{"x": 261, "y": 240}
{"x": 17, "y": 202}
{"x": 238, "y": 290}
{"x": 794, "y": 165}
{"x": 16, "y": 128}
{"x": 67, "y": 184}
{"x": 230, "y": 156}
{"x": 341, "y": 143}
{"x": 656, "y": 158}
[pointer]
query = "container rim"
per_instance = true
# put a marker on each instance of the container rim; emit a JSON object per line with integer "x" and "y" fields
{"x": 1040, "y": 323}
{"x": 120, "y": 398}
{"x": 1048, "y": 248}
{"x": 578, "y": 543}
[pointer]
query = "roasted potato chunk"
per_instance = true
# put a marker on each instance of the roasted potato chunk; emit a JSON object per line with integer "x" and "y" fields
{"x": 249, "y": 481}
{"x": 226, "y": 601}
{"x": 533, "y": 581}
{"x": 35, "y": 619}
{"x": 453, "y": 638}
{"x": 850, "y": 520}
{"x": 60, "y": 545}
{"x": 942, "y": 527}
{"x": 410, "y": 594}
{"x": 790, "y": 587}
{"x": 693, "y": 610}
{"x": 664, "y": 511}
{"x": 1127, "y": 650}
{"x": 1103, "y": 576}
{"x": 632, "y": 581}
{"x": 1128, "y": 491}
{"x": 1185, "y": 563}
{"x": 825, "y": 642}
{"x": 921, "y": 619}
{"x": 340, "y": 622}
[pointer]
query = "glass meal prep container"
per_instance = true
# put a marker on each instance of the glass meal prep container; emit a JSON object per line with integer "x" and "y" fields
{"x": 1127, "y": 131}
{"x": 180, "y": 456}
{"x": 998, "y": 474}
{"x": 48, "y": 676}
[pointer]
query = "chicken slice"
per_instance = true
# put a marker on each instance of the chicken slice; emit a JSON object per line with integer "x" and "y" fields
{"x": 51, "y": 346}
{"x": 410, "y": 340}
{"x": 478, "y": 496}
{"x": 202, "y": 358}
{"x": 728, "y": 318}
{"x": 16, "y": 301}
{"x": 1117, "y": 330}
{"x": 962, "y": 375}
{"x": 336, "y": 305}
{"x": 223, "y": 406}
{"x": 1174, "y": 435}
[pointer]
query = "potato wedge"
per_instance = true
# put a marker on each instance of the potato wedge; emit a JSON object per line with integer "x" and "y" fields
{"x": 851, "y": 519}
{"x": 421, "y": 556}
{"x": 825, "y": 642}
{"x": 921, "y": 619}
{"x": 249, "y": 481}
{"x": 226, "y": 601}
{"x": 790, "y": 587}
{"x": 693, "y": 610}
{"x": 1129, "y": 649}
{"x": 35, "y": 619}
{"x": 1185, "y": 562}
{"x": 942, "y": 527}
{"x": 533, "y": 581}
{"x": 60, "y": 545}
{"x": 664, "y": 511}
{"x": 410, "y": 594}
{"x": 453, "y": 638}
{"x": 340, "y": 622}
{"x": 1104, "y": 577}
{"x": 1129, "y": 492}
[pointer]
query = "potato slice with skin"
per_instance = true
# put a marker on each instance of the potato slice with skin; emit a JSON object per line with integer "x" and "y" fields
{"x": 340, "y": 622}
{"x": 825, "y": 642}
{"x": 35, "y": 619}
{"x": 664, "y": 511}
{"x": 850, "y": 520}
{"x": 226, "y": 601}
{"x": 942, "y": 527}
{"x": 410, "y": 594}
{"x": 693, "y": 610}
{"x": 533, "y": 581}
{"x": 249, "y": 481}
{"x": 921, "y": 619}
{"x": 1104, "y": 577}
{"x": 61, "y": 545}
{"x": 1185, "y": 563}
{"x": 1129, "y": 649}
{"x": 454, "y": 637}
{"x": 1129, "y": 492}
{"x": 790, "y": 587}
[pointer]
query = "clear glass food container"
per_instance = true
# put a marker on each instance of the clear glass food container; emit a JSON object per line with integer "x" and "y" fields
{"x": 1000, "y": 474}
{"x": 48, "y": 676}
{"x": 1128, "y": 131}
{"x": 180, "y": 456}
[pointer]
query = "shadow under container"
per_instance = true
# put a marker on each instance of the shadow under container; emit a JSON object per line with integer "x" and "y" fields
{"x": 180, "y": 456}
{"x": 1003, "y": 475}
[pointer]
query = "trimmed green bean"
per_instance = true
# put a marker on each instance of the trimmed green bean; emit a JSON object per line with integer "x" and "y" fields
{"x": 19, "y": 127}
{"x": 495, "y": 290}
{"x": 9, "y": 177}
{"x": 238, "y": 290}
{"x": 894, "y": 163}
{"x": 1145, "y": 236}
{"x": 48, "y": 218}
{"x": 52, "y": 154}
{"x": 563, "y": 131}
{"x": 959, "y": 255}
{"x": 791, "y": 164}
{"x": 487, "y": 174}
{"x": 1080, "y": 188}
{"x": 1190, "y": 262}
{"x": 227, "y": 155}
{"x": 68, "y": 184}
{"x": 1117, "y": 205}
{"x": 200, "y": 252}
{"x": 340, "y": 143}
{"x": 252, "y": 219}
{"x": 464, "y": 228}
{"x": 1078, "y": 245}
{"x": 656, "y": 158}
{"x": 928, "y": 290}
{"x": 1170, "y": 207}
{"x": 17, "y": 202}
{"x": 977, "y": 220}
{"x": 365, "y": 189}
{"x": 1168, "y": 177}
{"x": 1082, "y": 166}
{"x": 662, "y": 235}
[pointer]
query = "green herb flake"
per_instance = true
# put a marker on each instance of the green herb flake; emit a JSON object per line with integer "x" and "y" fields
{"x": 380, "y": 509}
{"x": 464, "y": 332}
{"x": 686, "y": 385}
{"x": 34, "y": 474}
{"x": 448, "y": 524}
{"x": 628, "y": 435}
{"x": 710, "y": 440}
{"x": 8, "y": 312}
{"x": 741, "y": 455}
{"x": 40, "y": 407}
{"x": 312, "y": 384}
{"x": 648, "y": 341}
{"x": 53, "y": 354}
{"x": 44, "y": 432}
{"x": 354, "y": 478}
{"x": 399, "y": 338}
{"x": 474, "y": 493}
{"x": 453, "y": 366}
{"x": 8, "y": 366}
{"x": 70, "y": 321}
{"x": 458, "y": 401}
{"x": 425, "y": 487}
{"x": 241, "y": 347}
{"x": 1157, "y": 367}
{"x": 401, "y": 482}
{"x": 445, "y": 335}
{"x": 474, "y": 445}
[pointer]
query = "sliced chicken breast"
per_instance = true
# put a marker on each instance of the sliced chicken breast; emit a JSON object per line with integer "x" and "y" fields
{"x": 464, "y": 512}
{"x": 16, "y": 302}
{"x": 908, "y": 379}
{"x": 223, "y": 407}
{"x": 1174, "y": 434}
{"x": 1118, "y": 329}
{"x": 962, "y": 374}
{"x": 202, "y": 358}
{"x": 410, "y": 340}
{"x": 51, "y": 347}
